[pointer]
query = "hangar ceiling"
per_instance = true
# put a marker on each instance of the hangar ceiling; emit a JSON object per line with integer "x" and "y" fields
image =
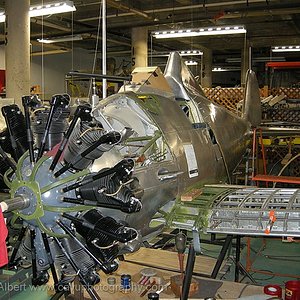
{"x": 268, "y": 23}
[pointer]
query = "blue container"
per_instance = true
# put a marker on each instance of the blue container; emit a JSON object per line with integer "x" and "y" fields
{"x": 125, "y": 283}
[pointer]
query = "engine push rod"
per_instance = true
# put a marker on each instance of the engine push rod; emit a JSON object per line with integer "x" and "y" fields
{"x": 12, "y": 260}
{"x": 122, "y": 206}
{"x": 29, "y": 101}
{"x": 56, "y": 102}
{"x": 92, "y": 227}
{"x": 91, "y": 291}
{"x": 51, "y": 261}
{"x": 117, "y": 168}
{"x": 8, "y": 113}
{"x": 84, "y": 113}
{"x": 106, "y": 269}
{"x": 95, "y": 203}
{"x": 112, "y": 137}
{"x": 33, "y": 257}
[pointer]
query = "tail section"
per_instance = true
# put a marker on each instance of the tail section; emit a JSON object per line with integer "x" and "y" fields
{"x": 252, "y": 104}
{"x": 180, "y": 78}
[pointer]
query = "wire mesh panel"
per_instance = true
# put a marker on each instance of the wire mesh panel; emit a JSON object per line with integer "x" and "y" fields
{"x": 255, "y": 211}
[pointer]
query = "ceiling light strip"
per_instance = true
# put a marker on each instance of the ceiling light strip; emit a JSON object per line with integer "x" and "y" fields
{"x": 190, "y": 53}
{"x": 220, "y": 69}
{"x": 67, "y": 38}
{"x": 181, "y": 53}
{"x": 218, "y": 30}
{"x": 46, "y": 9}
{"x": 191, "y": 63}
{"x": 286, "y": 49}
{"x": 51, "y": 8}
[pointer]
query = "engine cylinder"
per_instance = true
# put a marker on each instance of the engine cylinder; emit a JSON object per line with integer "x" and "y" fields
{"x": 57, "y": 128}
{"x": 84, "y": 135}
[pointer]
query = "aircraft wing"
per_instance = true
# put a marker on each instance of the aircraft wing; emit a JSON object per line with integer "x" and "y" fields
{"x": 239, "y": 210}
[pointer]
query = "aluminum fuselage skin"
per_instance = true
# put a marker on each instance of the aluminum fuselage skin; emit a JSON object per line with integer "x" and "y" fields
{"x": 215, "y": 156}
{"x": 175, "y": 103}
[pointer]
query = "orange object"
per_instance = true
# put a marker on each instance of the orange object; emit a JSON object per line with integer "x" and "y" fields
{"x": 272, "y": 219}
{"x": 191, "y": 195}
{"x": 176, "y": 286}
{"x": 181, "y": 259}
{"x": 272, "y": 178}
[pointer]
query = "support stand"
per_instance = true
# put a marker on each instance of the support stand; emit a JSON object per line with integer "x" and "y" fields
{"x": 221, "y": 257}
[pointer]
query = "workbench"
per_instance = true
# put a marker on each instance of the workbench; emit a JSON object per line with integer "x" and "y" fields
{"x": 166, "y": 265}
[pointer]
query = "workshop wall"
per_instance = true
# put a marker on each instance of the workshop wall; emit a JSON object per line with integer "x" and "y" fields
{"x": 55, "y": 66}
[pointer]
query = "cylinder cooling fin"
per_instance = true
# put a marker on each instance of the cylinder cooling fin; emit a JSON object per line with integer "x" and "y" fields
{"x": 15, "y": 130}
{"x": 112, "y": 187}
{"x": 103, "y": 235}
{"x": 57, "y": 128}
{"x": 84, "y": 135}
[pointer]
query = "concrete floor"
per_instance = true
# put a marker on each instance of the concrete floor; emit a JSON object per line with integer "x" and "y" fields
{"x": 268, "y": 255}
{"x": 275, "y": 257}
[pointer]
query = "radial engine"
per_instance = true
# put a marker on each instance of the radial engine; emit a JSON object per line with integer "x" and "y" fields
{"x": 57, "y": 198}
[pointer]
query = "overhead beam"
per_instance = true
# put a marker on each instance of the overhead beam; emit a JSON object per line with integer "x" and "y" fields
{"x": 255, "y": 42}
{"x": 49, "y": 46}
{"x": 120, "y": 6}
{"x": 87, "y": 32}
{"x": 204, "y": 17}
{"x": 123, "y": 7}
{"x": 48, "y": 52}
{"x": 182, "y": 8}
{"x": 45, "y": 23}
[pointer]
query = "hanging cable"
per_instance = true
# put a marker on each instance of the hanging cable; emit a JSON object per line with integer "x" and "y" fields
{"x": 72, "y": 42}
{"x": 96, "y": 47}
{"x": 42, "y": 68}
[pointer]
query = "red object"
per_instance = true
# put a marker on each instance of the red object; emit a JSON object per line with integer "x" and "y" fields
{"x": 273, "y": 290}
{"x": 3, "y": 235}
{"x": 292, "y": 290}
{"x": 2, "y": 81}
{"x": 53, "y": 151}
{"x": 271, "y": 178}
{"x": 283, "y": 64}
{"x": 219, "y": 15}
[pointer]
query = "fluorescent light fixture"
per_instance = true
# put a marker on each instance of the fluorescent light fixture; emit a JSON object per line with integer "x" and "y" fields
{"x": 67, "y": 38}
{"x": 220, "y": 69}
{"x": 181, "y": 53}
{"x": 217, "y": 30}
{"x": 286, "y": 49}
{"x": 2, "y": 17}
{"x": 191, "y": 63}
{"x": 256, "y": 59}
{"x": 46, "y": 9}
{"x": 51, "y": 8}
{"x": 190, "y": 53}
